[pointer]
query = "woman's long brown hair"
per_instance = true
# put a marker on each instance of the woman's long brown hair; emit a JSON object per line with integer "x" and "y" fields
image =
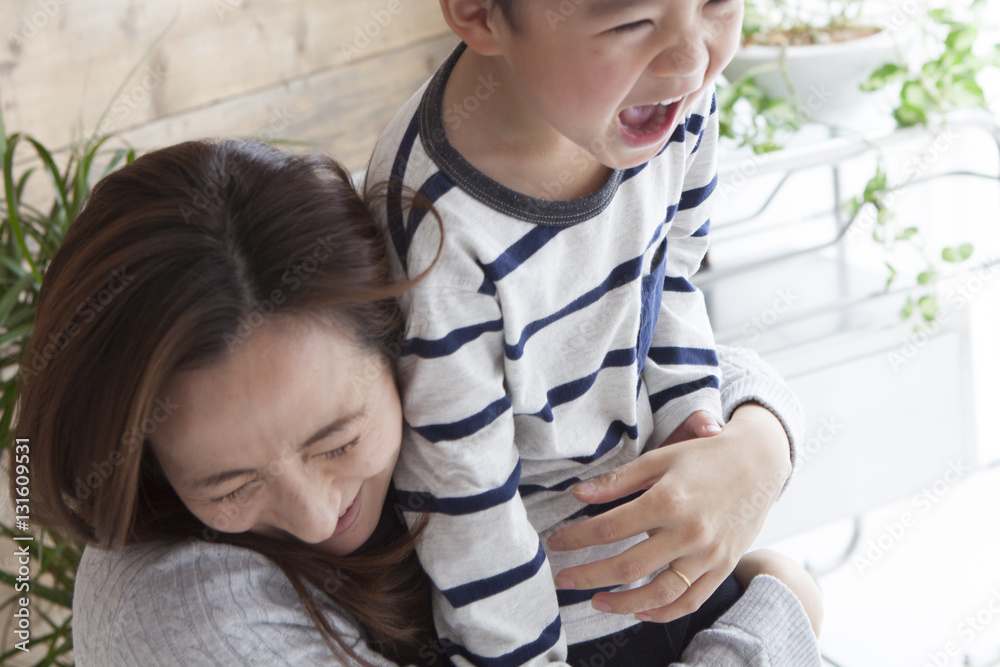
{"x": 175, "y": 258}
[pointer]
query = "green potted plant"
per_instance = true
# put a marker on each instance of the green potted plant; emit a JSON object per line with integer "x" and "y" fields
{"x": 817, "y": 54}
{"x": 36, "y": 207}
{"x": 925, "y": 61}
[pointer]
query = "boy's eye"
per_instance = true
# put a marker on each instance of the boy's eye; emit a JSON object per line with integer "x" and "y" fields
{"x": 629, "y": 27}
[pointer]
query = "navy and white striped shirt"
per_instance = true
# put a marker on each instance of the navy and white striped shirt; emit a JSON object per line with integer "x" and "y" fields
{"x": 552, "y": 342}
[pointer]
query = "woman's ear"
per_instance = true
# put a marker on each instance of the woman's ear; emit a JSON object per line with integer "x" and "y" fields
{"x": 474, "y": 22}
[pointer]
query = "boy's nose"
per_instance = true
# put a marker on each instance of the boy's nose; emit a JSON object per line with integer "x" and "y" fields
{"x": 686, "y": 57}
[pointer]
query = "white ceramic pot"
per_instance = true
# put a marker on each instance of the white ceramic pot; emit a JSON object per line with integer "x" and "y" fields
{"x": 826, "y": 77}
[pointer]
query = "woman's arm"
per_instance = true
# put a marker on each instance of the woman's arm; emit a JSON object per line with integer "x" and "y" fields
{"x": 705, "y": 500}
{"x": 746, "y": 378}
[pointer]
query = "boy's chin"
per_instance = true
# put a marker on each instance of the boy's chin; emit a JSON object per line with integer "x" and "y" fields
{"x": 631, "y": 158}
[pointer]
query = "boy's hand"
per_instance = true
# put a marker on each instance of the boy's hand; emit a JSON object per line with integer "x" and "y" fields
{"x": 699, "y": 425}
{"x": 788, "y": 572}
{"x": 705, "y": 501}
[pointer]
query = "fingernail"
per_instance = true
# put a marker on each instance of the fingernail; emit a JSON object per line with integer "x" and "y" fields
{"x": 586, "y": 489}
{"x": 601, "y": 605}
{"x": 563, "y": 581}
{"x": 643, "y": 617}
{"x": 714, "y": 429}
{"x": 555, "y": 543}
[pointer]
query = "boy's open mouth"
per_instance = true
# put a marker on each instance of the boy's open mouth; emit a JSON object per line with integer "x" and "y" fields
{"x": 645, "y": 123}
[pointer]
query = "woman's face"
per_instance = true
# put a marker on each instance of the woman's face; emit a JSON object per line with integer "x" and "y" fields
{"x": 295, "y": 433}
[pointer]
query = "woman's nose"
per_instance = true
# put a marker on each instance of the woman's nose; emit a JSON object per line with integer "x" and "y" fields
{"x": 307, "y": 508}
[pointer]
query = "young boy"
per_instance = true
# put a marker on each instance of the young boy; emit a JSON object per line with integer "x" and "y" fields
{"x": 569, "y": 149}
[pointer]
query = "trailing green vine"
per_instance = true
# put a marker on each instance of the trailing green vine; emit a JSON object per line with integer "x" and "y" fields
{"x": 946, "y": 80}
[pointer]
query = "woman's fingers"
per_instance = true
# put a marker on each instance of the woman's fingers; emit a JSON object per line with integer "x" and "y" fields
{"x": 636, "y": 517}
{"x": 629, "y": 566}
{"x": 633, "y": 476}
{"x": 666, "y": 597}
{"x": 687, "y": 602}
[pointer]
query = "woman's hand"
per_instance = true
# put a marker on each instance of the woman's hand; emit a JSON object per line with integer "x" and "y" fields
{"x": 705, "y": 501}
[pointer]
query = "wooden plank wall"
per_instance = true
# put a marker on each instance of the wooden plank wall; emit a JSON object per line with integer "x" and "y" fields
{"x": 328, "y": 72}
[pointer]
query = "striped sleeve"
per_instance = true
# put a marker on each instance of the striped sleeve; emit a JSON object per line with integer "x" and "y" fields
{"x": 682, "y": 369}
{"x": 494, "y": 601}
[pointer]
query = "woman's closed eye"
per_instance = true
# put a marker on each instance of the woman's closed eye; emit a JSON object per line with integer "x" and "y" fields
{"x": 234, "y": 495}
{"x": 339, "y": 451}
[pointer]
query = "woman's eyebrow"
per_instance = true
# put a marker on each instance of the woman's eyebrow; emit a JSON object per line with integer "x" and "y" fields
{"x": 339, "y": 424}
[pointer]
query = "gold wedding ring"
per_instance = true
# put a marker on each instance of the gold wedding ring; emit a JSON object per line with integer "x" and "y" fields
{"x": 680, "y": 574}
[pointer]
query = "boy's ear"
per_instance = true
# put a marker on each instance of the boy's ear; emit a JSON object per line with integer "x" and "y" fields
{"x": 474, "y": 23}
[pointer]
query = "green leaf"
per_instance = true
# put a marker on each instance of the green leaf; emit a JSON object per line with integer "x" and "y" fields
{"x": 851, "y": 207}
{"x": 127, "y": 154}
{"x": 884, "y": 75}
{"x": 915, "y": 95}
{"x": 10, "y": 196}
{"x": 941, "y": 15}
{"x": 926, "y": 277}
{"x": 957, "y": 254}
{"x": 892, "y": 275}
{"x": 50, "y": 167}
{"x": 928, "y": 307}
{"x": 907, "y": 310}
{"x": 907, "y": 233}
{"x": 15, "y": 333}
{"x": 908, "y": 115}
{"x": 875, "y": 186}
{"x": 884, "y": 215}
{"x": 12, "y": 295}
{"x": 967, "y": 93}
{"x": 961, "y": 38}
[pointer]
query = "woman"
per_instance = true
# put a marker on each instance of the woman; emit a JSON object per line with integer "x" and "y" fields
{"x": 220, "y": 416}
